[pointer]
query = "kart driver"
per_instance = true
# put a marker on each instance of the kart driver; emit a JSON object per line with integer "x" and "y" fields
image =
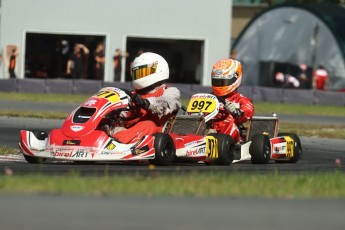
{"x": 155, "y": 102}
{"x": 236, "y": 109}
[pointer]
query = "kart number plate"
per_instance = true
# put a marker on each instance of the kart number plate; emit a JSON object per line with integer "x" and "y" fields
{"x": 205, "y": 105}
{"x": 289, "y": 146}
{"x": 211, "y": 147}
{"x": 111, "y": 96}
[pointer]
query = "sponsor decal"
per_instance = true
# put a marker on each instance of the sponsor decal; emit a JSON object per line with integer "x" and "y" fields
{"x": 204, "y": 96}
{"x": 279, "y": 148}
{"x": 202, "y": 150}
{"x": 218, "y": 72}
{"x": 211, "y": 147}
{"x": 289, "y": 147}
{"x": 80, "y": 153}
{"x": 91, "y": 102}
{"x": 77, "y": 128}
{"x": 138, "y": 151}
{"x": 61, "y": 153}
{"x": 110, "y": 146}
{"x": 108, "y": 89}
{"x": 71, "y": 142}
{"x": 194, "y": 152}
{"x": 190, "y": 143}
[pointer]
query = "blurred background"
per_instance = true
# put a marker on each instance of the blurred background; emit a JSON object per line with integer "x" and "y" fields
{"x": 281, "y": 44}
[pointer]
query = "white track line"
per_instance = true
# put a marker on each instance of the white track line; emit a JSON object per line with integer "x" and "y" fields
{"x": 12, "y": 157}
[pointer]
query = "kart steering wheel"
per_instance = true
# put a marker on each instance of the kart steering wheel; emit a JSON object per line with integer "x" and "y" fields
{"x": 128, "y": 92}
{"x": 221, "y": 99}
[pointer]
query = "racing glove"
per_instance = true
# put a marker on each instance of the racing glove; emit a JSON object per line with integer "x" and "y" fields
{"x": 232, "y": 109}
{"x": 139, "y": 101}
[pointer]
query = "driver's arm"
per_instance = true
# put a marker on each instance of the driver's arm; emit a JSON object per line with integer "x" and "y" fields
{"x": 169, "y": 102}
{"x": 247, "y": 107}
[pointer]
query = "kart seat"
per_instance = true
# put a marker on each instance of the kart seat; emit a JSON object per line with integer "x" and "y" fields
{"x": 262, "y": 125}
{"x": 187, "y": 124}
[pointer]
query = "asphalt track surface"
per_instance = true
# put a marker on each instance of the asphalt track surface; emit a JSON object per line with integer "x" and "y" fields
{"x": 68, "y": 107}
{"x": 36, "y": 212}
{"x": 318, "y": 155}
{"x": 81, "y": 212}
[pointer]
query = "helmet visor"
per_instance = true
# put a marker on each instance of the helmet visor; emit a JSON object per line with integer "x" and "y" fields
{"x": 224, "y": 81}
{"x": 218, "y": 82}
{"x": 143, "y": 70}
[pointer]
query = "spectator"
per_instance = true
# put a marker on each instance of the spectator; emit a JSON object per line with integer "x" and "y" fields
{"x": 99, "y": 59}
{"x": 233, "y": 54}
{"x": 286, "y": 80}
{"x": 320, "y": 79}
{"x": 302, "y": 76}
{"x": 76, "y": 60}
{"x": 129, "y": 66}
{"x": 118, "y": 63}
{"x": 12, "y": 63}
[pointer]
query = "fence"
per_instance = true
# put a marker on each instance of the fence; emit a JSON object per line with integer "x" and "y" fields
{"x": 256, "y": 93}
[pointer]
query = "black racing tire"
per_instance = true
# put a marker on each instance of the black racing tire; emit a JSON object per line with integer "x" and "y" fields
{"x": 297, "y": 148}
{"x": 260, "y": 149}
{"x": 165, "y": 151}
{"x": 226, "y": 149}
{"x": 40, "y": 135}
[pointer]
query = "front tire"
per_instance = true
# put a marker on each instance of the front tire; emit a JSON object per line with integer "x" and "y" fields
{"x": 226, "y": 149}
{"x": 260, "y": 149}
{"x": 40, "y": 135}
{"x": 164, "y": 149}
{"x": 297, "y": 148}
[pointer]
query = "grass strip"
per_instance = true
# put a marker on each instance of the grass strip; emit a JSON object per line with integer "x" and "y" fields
{"x": 42, "y": 97}
{"x": 299, "y": 109}
{"x": 260, "y": 107}
{"x": 313, "y": 130}
{"x": 305, "y": 185}
{"x": 34, "y": 114}
{"x": 4, "y": 150}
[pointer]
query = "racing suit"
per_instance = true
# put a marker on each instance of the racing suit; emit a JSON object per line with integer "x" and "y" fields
{"x": 320, "y": 79}
{"x": 164, "y": 103}
{"x": 227, "y": 123}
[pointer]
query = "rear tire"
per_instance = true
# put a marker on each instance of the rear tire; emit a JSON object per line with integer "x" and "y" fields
{"x": 40, "y": 135}
{"x": 260, "y": 149}
{"x": 164, "y": 149}
{"x": 226, "y": 149}
{"x": 297, "y": 148}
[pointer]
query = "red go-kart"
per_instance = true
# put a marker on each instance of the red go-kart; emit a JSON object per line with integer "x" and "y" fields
{"x": 187, "y": 136}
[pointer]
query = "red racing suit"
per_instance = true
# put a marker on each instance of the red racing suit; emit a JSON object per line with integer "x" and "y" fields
{"x": 225, "y": 123}
{"x": 320, "y": 78}
{"x": 164, "y": 103}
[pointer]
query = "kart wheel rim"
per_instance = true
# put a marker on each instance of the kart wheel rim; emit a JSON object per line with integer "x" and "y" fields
{"x": 168, "y": 151}
{"x": 267, "y": 152}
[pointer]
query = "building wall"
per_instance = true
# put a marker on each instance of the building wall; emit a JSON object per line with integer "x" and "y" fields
{"x": 241, "y": 16}
{"x": 185, "y": 19}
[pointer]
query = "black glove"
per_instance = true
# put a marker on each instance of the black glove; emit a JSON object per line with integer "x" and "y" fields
{"x": 129, "y": 93}
{"x": 237, "y": 113}
{"x": 139, "y": 101}
{"x": 231, "y": 108}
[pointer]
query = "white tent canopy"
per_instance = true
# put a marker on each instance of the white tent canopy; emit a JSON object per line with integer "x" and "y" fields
{"x": 295, "y": 34}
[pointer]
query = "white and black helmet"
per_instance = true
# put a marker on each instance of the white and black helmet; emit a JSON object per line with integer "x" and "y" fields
{"x": 148, "y": 69}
